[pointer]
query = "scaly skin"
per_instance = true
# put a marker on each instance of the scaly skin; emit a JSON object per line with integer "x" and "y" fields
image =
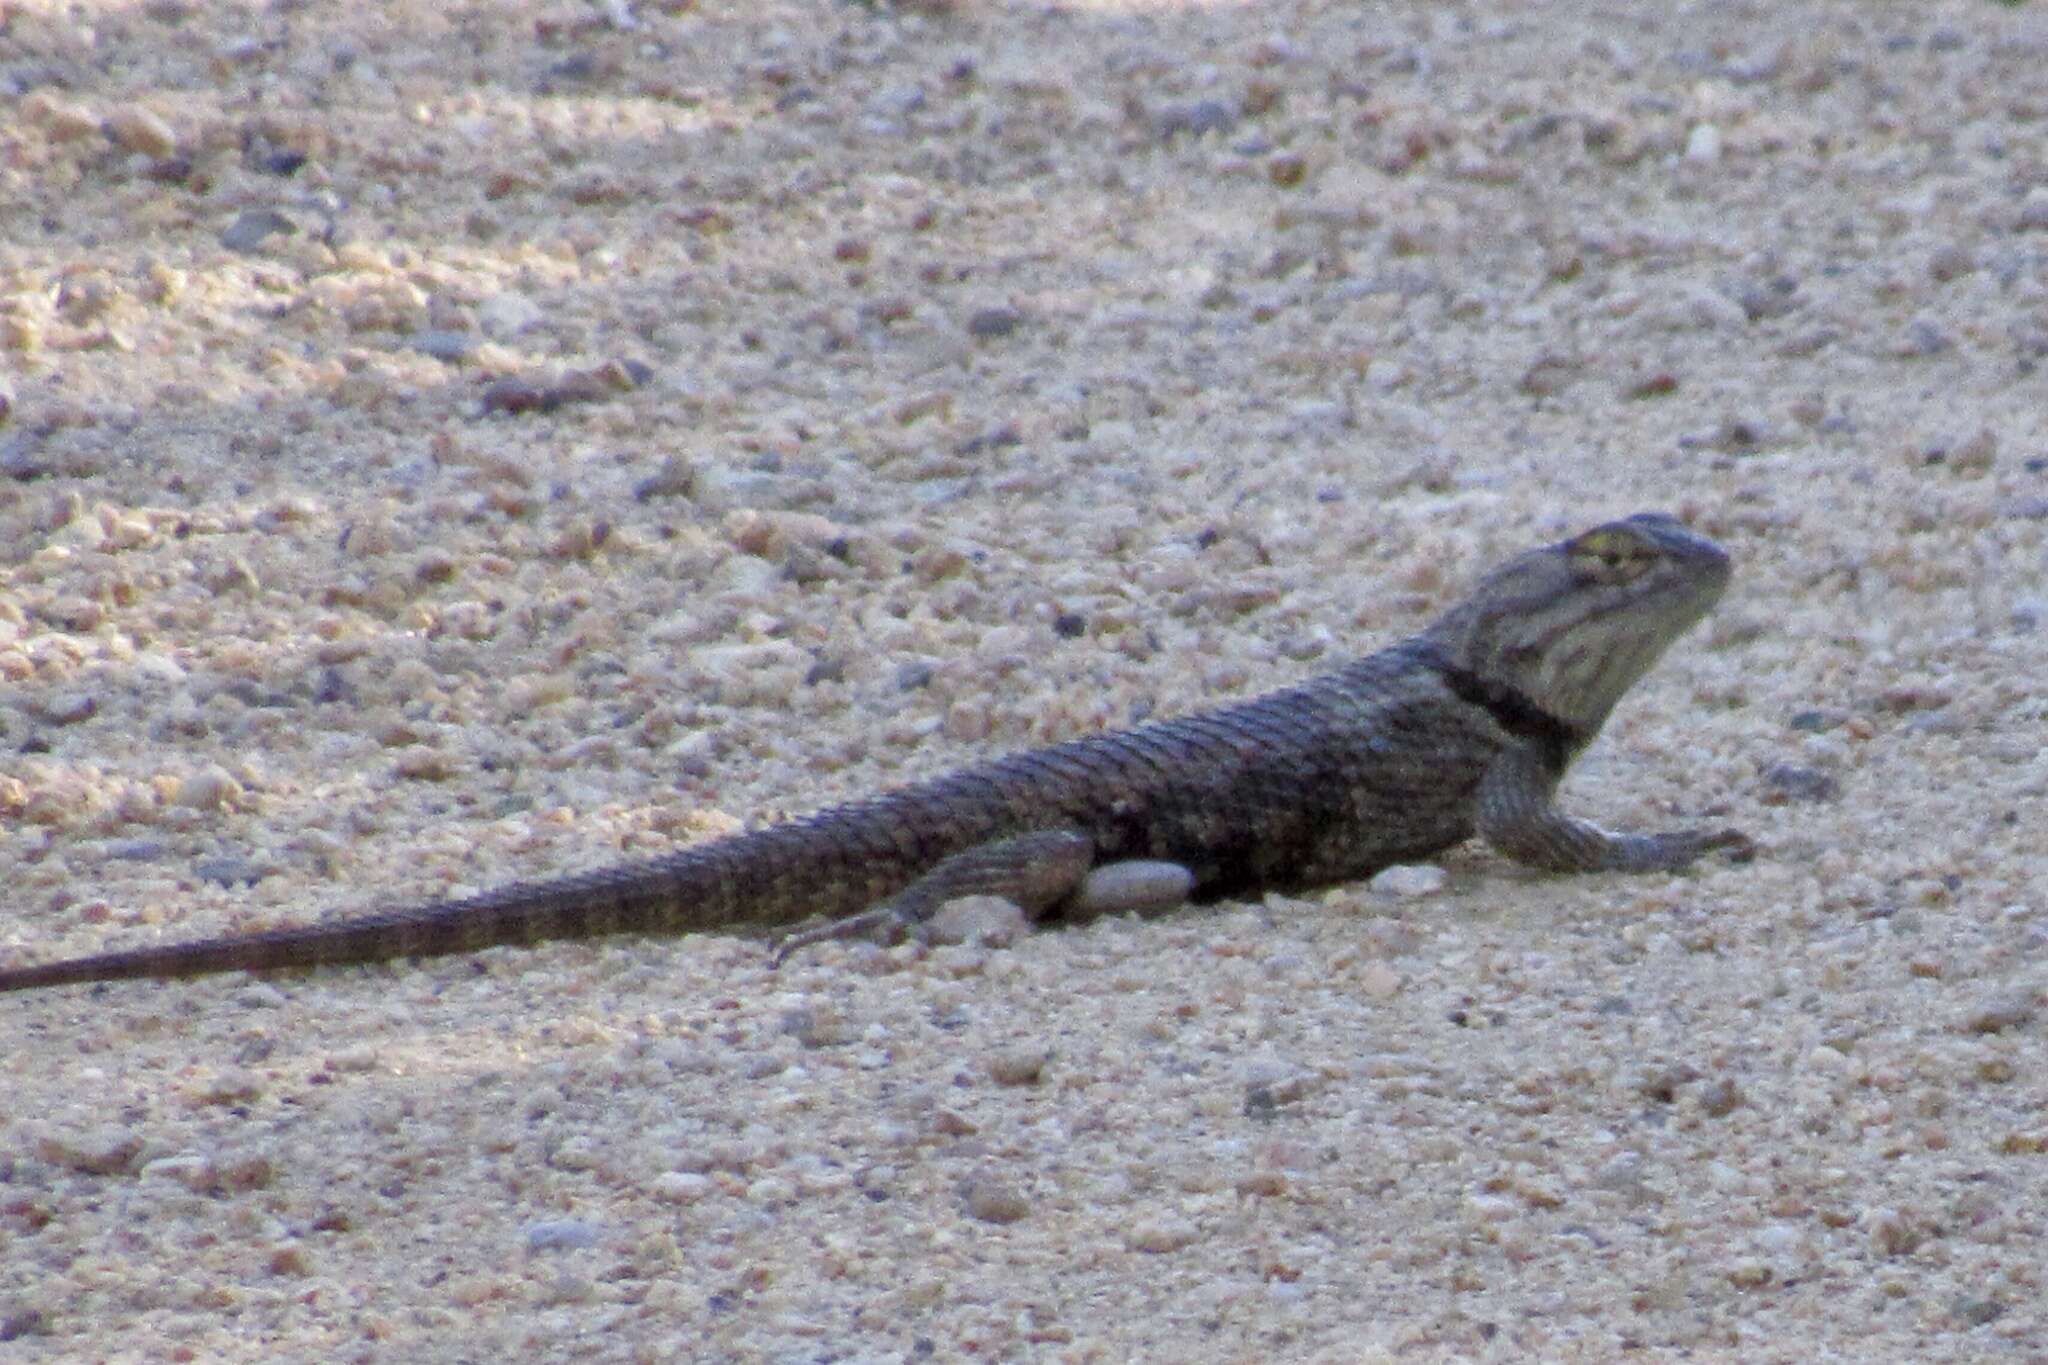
{"x": 1465, "y": 728}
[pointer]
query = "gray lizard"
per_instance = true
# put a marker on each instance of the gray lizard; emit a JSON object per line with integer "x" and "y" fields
{"x": 1463, "y": 729}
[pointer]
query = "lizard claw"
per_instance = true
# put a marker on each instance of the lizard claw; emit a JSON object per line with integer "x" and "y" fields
{"x": 1739, "y": 846}
{"x": 895, "y": 926}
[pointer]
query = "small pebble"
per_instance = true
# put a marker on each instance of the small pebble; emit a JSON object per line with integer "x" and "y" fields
{"x": 1922, "y": 337}
{"x": 1951, "y": 262}
{"x": 1263, "y": 1098}
{"x": 19, "y": 461}
{"x": 1719, "y": 1098}
{"x": 62, "y": 119}
{"x": 242, "y": 1170}
{"x": 1019, "y": 1066}
{"x": 239, "y": 51}
{"x": 953, "y": 1123}
{"x": 896, "y": 102}
{"x": 1378, "y": 981}
{"x": 682, "y": 1187}
{"x": 817, "y": 1026}
{"x": 504, "y": 316}
{"x": 1621, "y": 1173}
{"x": 1651, "y": 384}
{"x": 1195, "y": 118}
{"x": 994, "y": 1201}
{"x": 1162, "y": 1235}
{"x": 226, "y": 1086}
{"x": 105, "y": 1150}
{"x": 579, "y": 1153}
{"x": 231, "y": 871}
{"x": 1889, "y": 1232}
{"x": 1772, "y": 298}
{"x": 65, "y": 708}
{"x": 991, "y": 921}
{"x": 212, "y": 788}
{"x": 1549, "y": 375}
{"x": 17, "y": 1323}
{"x": 1408, "y": 881}
{"x": 1287, "y": 170}
{"x": 1795, "y": 782}
{"x": 1135, "y": 886}
{"x": 1977, "y": 455}
{"x": 252, "y": 227}
{"x": 189, "y": 1169}
{"x": 423, "y": 763}
{"x": 1262, "y": 1184}
{"x": 80, "y": 615}
{"x": 1664, "y": 1083}
{"x": 1999, "y": 1016}
{"x": 2033, "y": 215}
{"x": 450, "y": 347}
{"x": 990, "y": 324}
{"x": 516, "y": 397}
{"x": 562, "y": 1234}
{"x": 138, "y": 130}
{"x": 1750, "y": 1273}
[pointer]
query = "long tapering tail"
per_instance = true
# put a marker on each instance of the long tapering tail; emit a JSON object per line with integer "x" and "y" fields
{"x": 777, "y": 875}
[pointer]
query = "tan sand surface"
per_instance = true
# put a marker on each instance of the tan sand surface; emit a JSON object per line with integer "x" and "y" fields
{"x": 446, "y": 443}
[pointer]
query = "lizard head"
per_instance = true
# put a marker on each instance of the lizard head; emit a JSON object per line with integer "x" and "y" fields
{"x": 1572, "y": 626}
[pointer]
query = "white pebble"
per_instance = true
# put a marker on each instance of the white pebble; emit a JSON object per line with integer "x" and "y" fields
{"x": 1139, "y": 884}
{"x": 681, "y": 1187}
{"x": 209, "y": 789}
{"x": 1408, "y": 880}
{"x": 2034, "y": 210}
{"x": 504, "y": 316}
{"x": 990, "y": 921}
{"x": 1161, "y": 1235}
{"x": 561, "y": 1234}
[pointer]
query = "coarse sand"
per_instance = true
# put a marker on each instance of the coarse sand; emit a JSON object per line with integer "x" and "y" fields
{"x": 449, "y": 443}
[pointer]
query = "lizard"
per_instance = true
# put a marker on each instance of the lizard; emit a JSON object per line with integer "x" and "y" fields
{"x": 1464, "y": 728}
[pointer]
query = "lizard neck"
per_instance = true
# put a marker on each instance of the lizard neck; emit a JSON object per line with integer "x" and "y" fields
{"x": 1554, "y": 738}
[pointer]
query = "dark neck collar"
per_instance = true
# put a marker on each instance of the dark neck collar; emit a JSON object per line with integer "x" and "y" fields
{"x": 1555, "y": 738}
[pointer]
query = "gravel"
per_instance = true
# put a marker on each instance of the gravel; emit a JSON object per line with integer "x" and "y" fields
{"x": 442, "y": 447}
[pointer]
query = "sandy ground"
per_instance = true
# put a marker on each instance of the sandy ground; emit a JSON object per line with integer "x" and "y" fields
{"x": 453, "y": 443}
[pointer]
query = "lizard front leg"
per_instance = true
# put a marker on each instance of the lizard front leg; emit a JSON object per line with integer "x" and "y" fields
{"x": 1518, "y": 816}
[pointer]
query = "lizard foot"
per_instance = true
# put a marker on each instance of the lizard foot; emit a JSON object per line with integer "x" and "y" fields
{"x": 1034, "y": 871}
{"x": 1739, "y": 847}
{"x": 887, "y": 923}
{"x": 1679, "y": 848}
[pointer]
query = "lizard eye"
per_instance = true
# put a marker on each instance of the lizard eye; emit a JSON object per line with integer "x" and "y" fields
{"x": 1610, "y": 555}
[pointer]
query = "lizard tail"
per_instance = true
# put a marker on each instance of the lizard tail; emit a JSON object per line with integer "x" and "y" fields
{"x": 777, "y": 875}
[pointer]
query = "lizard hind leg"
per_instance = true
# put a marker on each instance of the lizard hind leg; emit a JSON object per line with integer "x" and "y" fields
{"x": 1035, "y": 872}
